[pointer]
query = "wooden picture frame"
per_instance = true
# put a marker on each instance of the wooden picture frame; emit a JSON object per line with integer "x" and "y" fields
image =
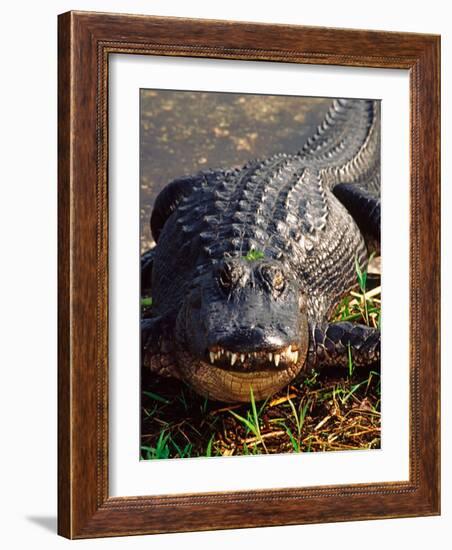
{"x": 86, "y": 40}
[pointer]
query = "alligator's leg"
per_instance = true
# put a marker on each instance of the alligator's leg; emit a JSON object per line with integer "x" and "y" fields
{"x": 156, "y": 352}
{"x": 363, "y": 203}
{"x": 331, "y": 344}
{"x": 147, "y": 261}
{"x": 172, "y": 194}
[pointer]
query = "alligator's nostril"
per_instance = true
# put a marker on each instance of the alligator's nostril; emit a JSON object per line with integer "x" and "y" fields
{"x": 248, "y": 340}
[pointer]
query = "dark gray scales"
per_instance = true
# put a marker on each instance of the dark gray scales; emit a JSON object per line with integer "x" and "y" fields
{"x": 250, "y": 263}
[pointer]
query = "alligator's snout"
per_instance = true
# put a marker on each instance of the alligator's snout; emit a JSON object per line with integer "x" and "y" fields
{"x": 249, "y": 339}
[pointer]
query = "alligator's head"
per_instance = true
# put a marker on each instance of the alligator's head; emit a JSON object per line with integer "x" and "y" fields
{"x": 243, "y": 326}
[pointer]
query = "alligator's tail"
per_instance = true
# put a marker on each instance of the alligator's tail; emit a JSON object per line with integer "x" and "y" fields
{"x": 347, "y": 143}
{"x": 346, "y": 148}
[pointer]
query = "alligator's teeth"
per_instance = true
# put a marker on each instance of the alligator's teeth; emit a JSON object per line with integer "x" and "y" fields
{"x": 277, "y": 356}
{"x": 233, "y": 359}
{"x": 289, "y": 350}
{"x": 242, "y": 357}
{"x": 270, "y": 357}
{"x": 295, "y": 356}
{"x": 212, "y": 357}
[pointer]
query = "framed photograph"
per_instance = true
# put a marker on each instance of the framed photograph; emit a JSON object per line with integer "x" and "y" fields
{"x": 248, "y": 275}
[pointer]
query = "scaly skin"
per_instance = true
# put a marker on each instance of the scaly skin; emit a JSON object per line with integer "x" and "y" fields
{"x": 249, "y": 263}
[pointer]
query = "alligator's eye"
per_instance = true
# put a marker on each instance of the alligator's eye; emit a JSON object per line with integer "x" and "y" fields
{"x": 229, "y": 275}
{"x": 278, "y": 280}
{"x": 225, "y": 278}
{"x": 274, "y": 277}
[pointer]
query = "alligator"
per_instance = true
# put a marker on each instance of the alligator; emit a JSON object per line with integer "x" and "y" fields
{"x": 250, "y": 263}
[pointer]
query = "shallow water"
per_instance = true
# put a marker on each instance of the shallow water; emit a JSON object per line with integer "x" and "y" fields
{"x": 185, "y": 132}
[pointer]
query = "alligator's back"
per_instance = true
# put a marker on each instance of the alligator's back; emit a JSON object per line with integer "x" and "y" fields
{"x": 283, "y": 207}
{"x": 280, "y": 208}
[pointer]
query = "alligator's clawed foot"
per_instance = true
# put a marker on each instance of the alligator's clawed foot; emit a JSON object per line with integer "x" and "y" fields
{"x": 156, "y": 353}
{"x": 336, "y": 344}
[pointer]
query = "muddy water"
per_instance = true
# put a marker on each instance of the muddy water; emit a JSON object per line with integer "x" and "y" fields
{"x": 185, "y": 132}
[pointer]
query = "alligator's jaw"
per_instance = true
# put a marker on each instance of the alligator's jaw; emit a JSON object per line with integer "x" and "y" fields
{"x": 230, "y": 377}
{"x": 246, "y": 361}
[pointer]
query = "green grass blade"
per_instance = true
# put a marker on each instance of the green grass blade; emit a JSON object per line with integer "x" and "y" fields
{"x": 361, "y": 275}
{"x": 350, "y": 360}
{"x": 156, "y": 397}
{"x": 209, "y": 446}
{"x": 303, "y": 412}
{"x": 295, "y": 444}
{"x": 255, "y": 415}
{"x": 253, "y": 255}
{"x": 245, "y": 422}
